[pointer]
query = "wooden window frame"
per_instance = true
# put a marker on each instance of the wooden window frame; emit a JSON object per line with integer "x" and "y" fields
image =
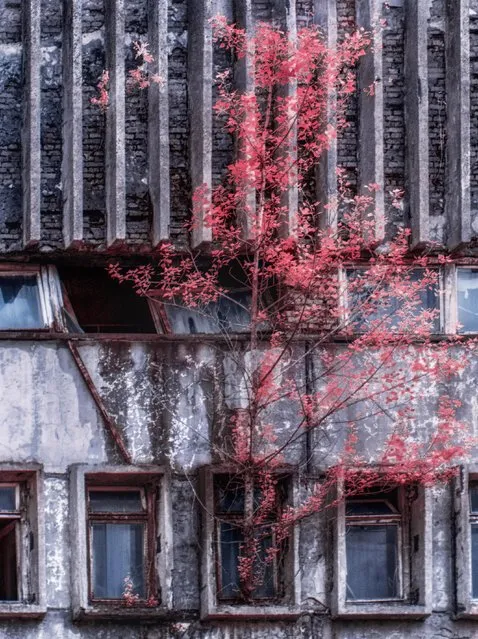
{"x": 84, "y": 477}
{"x": 147, "y": 517}
{"x": 286, "y": 606}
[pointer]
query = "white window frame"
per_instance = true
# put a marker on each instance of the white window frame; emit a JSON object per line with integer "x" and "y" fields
{"x": 455, "y": 320}
{"x": 83, "y": 606}
{"x": 415, "y": 601}
{"x": 211, "y": 606}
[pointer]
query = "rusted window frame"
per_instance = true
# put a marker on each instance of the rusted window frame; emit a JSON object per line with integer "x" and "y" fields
{"x": 148, "y": 518}
{"x": 396, "y": 519}
{"x": 224, "y": 517}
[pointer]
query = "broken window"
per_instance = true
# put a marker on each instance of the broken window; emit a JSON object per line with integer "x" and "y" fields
{"x": 234, "y": 502}
{"x": 96, "y": 303}
{"x": 467, "y": 300}
{"x": 373, "y": 548}
{"x": 364, "y": 309}
{"x": 121, "y": 532}
{"x": 9, "y": 534}
{"x": 20, "y": 306}
{"x": 229, "y": 314}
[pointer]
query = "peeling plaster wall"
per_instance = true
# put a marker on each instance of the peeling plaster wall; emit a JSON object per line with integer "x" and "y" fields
{"x": 160, "y": 395}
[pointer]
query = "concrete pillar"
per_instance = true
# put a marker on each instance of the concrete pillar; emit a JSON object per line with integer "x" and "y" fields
{"x": 284, "y": 14}
{"x": 200, "y": 78}
{"x": 416, "y": 118}
{"x": 370, "y": 99}
{"x": 457, "y": 194}
{"x": 325, "y": 16}
{"x": 158, "y": 122}
{"x": 245, "y": 83}
{"x": 31, "y": 168}
{"x": 72, "y": 161}
{"x": 115, "y": 124}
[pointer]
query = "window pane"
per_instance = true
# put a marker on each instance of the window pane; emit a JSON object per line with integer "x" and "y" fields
{"x": 7, "y": 498}
{"x": 474, "y": 498}
{"x": 467, "y": 300}
{"x": 229, "y": 495}
{"x": 230, "y": 539}
{"x": 8, "y": 561}
{"x": 474, "y": 561}
{"x": 117, "y": 553}
{"x": 106, "y": 501}
{"x": 19, "y": 303}
{"x": 368, "y": 508}
{"x": 265, "y": 572}
{"x": 372, "y": 562}
{"x": 225, "y": 315}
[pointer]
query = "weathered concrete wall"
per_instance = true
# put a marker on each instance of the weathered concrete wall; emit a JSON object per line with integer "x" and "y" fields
{"x": 160, "y": 397}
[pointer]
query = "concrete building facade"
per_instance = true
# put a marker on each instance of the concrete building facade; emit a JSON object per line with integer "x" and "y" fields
{"x": 94, "y": 399}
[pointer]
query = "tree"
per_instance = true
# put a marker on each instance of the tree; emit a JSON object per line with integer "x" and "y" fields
{"x": 332, "y": 295}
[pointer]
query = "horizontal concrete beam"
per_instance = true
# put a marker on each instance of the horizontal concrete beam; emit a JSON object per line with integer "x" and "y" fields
{"x": 72, "y": 161}
{"x": 31, "y": 154}
{"x": 158, "y": 122}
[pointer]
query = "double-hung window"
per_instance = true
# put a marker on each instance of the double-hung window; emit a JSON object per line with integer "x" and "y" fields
{"x": 382, "y": 545}
{"x": 374, "y": 543}
{"x": 231, "y": 503}
{"x": 121, "y": 531}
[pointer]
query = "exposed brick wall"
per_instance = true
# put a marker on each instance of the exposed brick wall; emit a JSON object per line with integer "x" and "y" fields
{"x": 393, "y": 98}
{"x": 10, "y": 125}
{"x": 474, "y": 110}
{"x": 222, "y": 142}
{"x": 304, "y": 11}
{"x": 51, "y": 123}
{"x": 93, "y": 123}
{"x": 437, "y": 106}
{"x": 178, "y": 119}
{"x": 262, "y": 10}
{"x": 138, "y": 210}
{"x": 347, "y": 138}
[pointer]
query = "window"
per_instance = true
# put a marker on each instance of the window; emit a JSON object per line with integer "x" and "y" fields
{"x": 466, "y": 541}
{"x": 95, "y": 303}
{"x": 120, "y": 531}
{"x": 20, "y": 303}
{"x": 230, "y": 314}
{"x": 467, "y": 300}
{"x": 374, "y": 544}
{"x": 359, "y": 291}
{"x": 22, "y": 565}
{"x": 382, "y": 546}
{"x": 474, "y": 538}
{"x": 120, "y": 525}
{"x": 228, "y": 500}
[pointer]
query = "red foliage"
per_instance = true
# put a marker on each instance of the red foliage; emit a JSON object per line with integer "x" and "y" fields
{"x": 370, "y": 337}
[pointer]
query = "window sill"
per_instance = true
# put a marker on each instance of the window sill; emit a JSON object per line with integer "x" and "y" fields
{"x": 21, "y": 610}
{"x": 385, "y": 610}
{"x": 468, "y": 612}
{"x": 118, "y": 611}
{"x": 230, "y": 611}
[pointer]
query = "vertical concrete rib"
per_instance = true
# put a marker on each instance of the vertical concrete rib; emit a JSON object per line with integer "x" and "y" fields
{"x": 72, "y": 161}
{"x": 200, "y": 78}
{"x": 115, "y": 123}
{"x": 416, "y": 118}
{"x": 31, "y": 166}
{"x": 457, "y": 194}
{"x": 285, "y": 15}
{"x": 325, "y": 17}
{"x": 158, "y": 122}
{"x": 245, "y": 83}
{"x": 370, "y": 98}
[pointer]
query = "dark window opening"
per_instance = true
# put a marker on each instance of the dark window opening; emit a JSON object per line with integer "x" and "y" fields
{"x": 474, "y": 538}
{"x": 8, "y": 560}
{"x": 99, "y": 304}
{"x": 373, "y": 547}
{"x": 233, "y": 501}
{"x": 20, "y": 303}
{"x": 121, "y": 529}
